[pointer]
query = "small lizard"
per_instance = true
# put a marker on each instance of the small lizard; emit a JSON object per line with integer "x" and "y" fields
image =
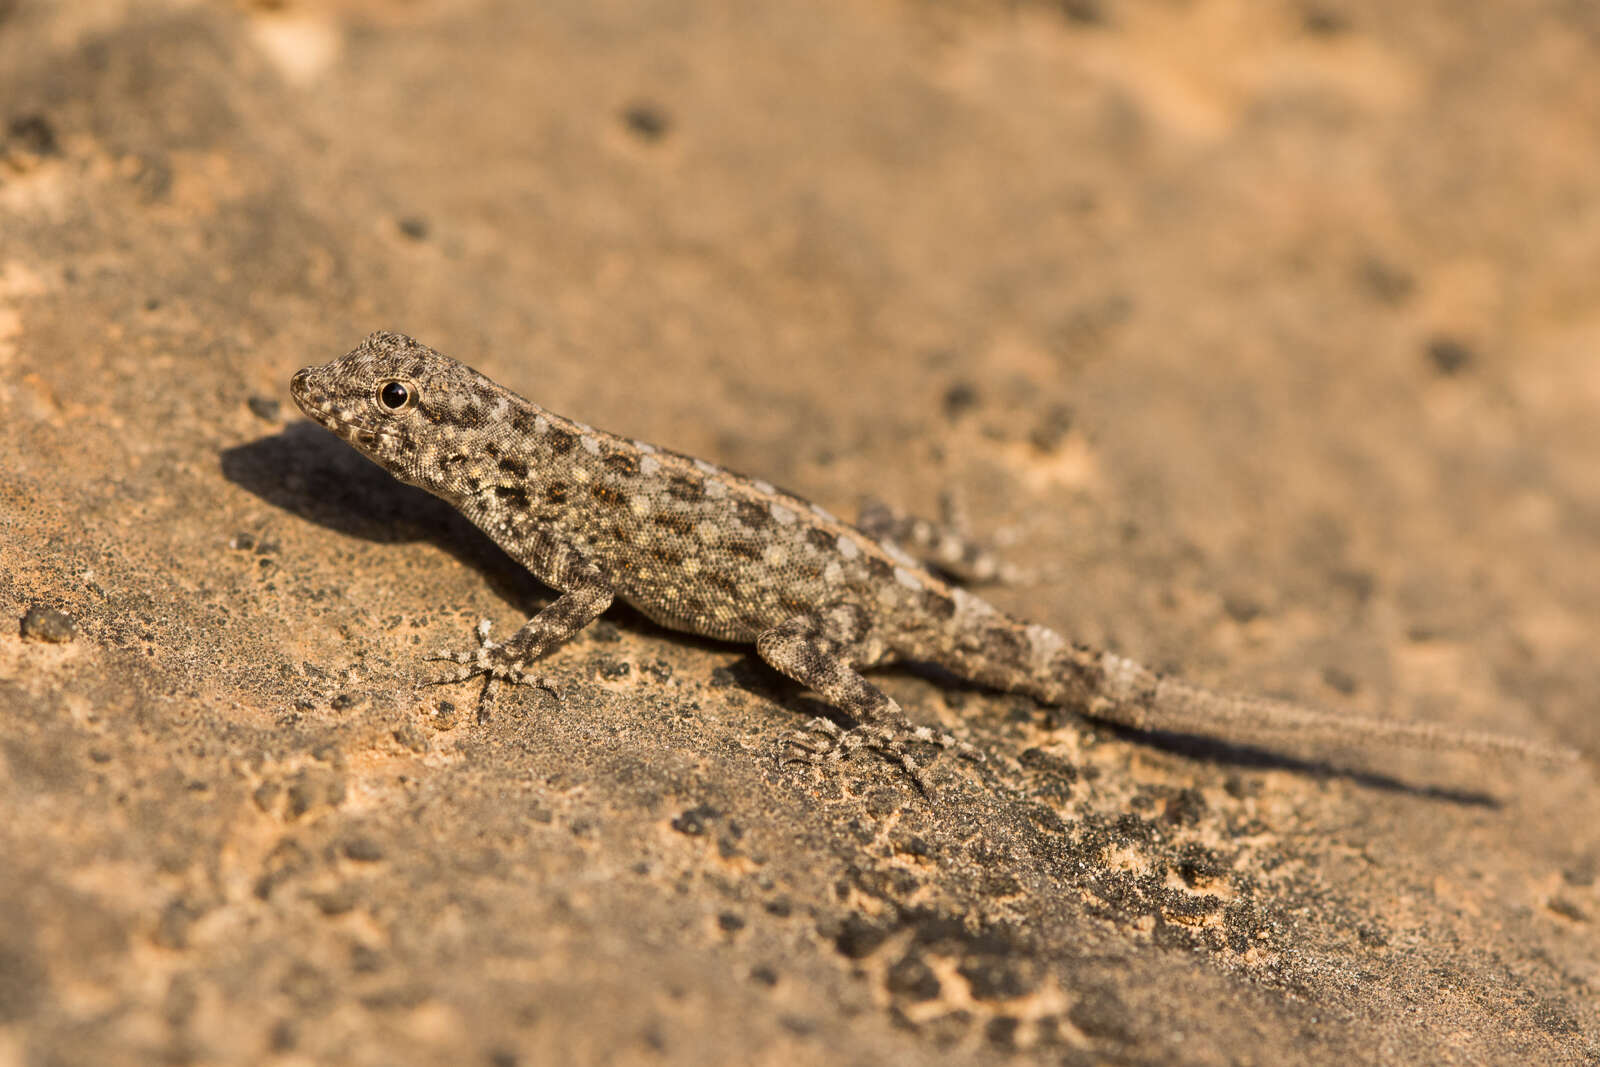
{"x": 698, "y": 548}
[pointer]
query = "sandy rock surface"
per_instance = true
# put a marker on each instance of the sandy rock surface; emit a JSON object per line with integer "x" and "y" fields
{"x": 1266, "y": 334}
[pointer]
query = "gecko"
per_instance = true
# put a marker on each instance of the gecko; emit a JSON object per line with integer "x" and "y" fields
{"x": 698, "y": 548}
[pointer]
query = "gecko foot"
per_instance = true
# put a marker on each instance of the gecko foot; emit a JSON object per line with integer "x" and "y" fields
{"x": 495, "y": 662}
{"x": 825, "y": 741}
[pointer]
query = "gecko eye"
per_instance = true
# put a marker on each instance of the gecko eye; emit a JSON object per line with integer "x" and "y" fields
{"x": 394, "y": 396}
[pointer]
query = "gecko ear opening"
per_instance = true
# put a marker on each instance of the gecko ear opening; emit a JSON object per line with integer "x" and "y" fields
{"x": 394, "y": 397}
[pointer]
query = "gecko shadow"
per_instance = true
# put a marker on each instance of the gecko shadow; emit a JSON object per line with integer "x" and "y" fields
{"x": 1239, "y": 754}
{"x": 751, "y": 675}
{"x": 1253, "y": 757}
{"x": 311, "y": 474}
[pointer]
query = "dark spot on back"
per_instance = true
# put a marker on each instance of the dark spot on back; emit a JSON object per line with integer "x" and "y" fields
{"x": 880, "y": 569}
{"x": 822, "y": 539}
{"x": 689, "y": 490}
{"x": 561, "y": 441}
{"x": 1088, "y": 677}
{"x": 511, "y": 494}
{"x": 754, "y": 515}
{"x": 522, "y": 422}
{"x": 681, "y": 525}
{"x": 556, "y": 492}
{"x": 621, "y": 534}
{"x": 937, "y": 604}
{"x": 622, "y": 463}
{"x": 723, "y": 584}
{"x": 515, "y": 468}
{"x": 1005, "y": 642}
{"x": 744, "y": 549}
{"x": 665, "y": 555}
{"x": 606, "y": 494}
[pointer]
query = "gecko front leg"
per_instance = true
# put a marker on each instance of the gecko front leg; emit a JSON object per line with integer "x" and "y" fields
{"x": 824, "y": 651}
{"x": 587, "y": 595}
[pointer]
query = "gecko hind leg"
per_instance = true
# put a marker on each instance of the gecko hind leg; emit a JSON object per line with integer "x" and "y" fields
{"x": 822, "y": 650}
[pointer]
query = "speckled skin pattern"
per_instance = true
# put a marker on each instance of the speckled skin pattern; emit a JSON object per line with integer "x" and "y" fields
{"x": 699, "y": 548}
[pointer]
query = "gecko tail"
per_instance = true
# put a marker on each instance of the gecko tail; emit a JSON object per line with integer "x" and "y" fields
{"x": 1137, "y": 697}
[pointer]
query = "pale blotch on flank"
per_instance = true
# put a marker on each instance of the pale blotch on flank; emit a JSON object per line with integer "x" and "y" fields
{"x": 705, "y": 468}
{"x": 1045, "y": 641}
{"x": 540, "y": 424}
{"x": 847, "y": 547}
{"x": 782, "y": 514}
{"x": 590, "y": 445}
{"x": 766, "y": 488}
{"x": 775, "y": 555}
{"x": 648, "y": 464}
{"x": 645, "y": 447}
{"x": 832, "y": 574}
{"x": 898, "y": 554}
{"x": 907, "y": 579}
{"x": 715, "y": 490}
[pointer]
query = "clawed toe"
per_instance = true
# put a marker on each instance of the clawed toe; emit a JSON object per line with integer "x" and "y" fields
{"x": 825, "y": 741}
{"x": 493, "y": 663}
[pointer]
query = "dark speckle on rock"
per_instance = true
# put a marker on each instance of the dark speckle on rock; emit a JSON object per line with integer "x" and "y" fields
{"x": 1001, "y": 1031}
{"x": 695, "y": 821}
{"x": 43, "y": 623}
{"x": 1449, "y": 355}
{"x": 912, "y": 978}
{"x": 1185, "y": 808}
{"x": 1387, "y": 282}
{"x": 646, "y": 121}
{"x": 960, "y": 398}
{"x": 413, "y": 227}
{"x": 1340, "y": 680}
{"x": 33, "y": 134}
{"x": 1083, "y": 12}
{"x": 1051, "y": 429}
{"x": 1324, "y": 21}
{"x": 363, "y": 849}
{"x": 859, "y": 938}
{"x": 995, "y": 977}
{"x": 266, "y": 408}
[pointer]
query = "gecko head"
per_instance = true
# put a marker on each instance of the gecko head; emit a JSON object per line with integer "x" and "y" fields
{"x": 412, "y": 410}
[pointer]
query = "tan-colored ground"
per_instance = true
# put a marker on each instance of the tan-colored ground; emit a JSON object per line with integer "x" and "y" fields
{"x": 1268, "y": 332}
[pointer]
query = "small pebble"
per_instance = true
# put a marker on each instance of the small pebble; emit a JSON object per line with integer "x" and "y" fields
{"x": 47, "y": 624}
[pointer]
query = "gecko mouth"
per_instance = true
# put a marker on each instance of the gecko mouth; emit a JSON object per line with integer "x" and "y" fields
{"x": 297, "y": 390}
